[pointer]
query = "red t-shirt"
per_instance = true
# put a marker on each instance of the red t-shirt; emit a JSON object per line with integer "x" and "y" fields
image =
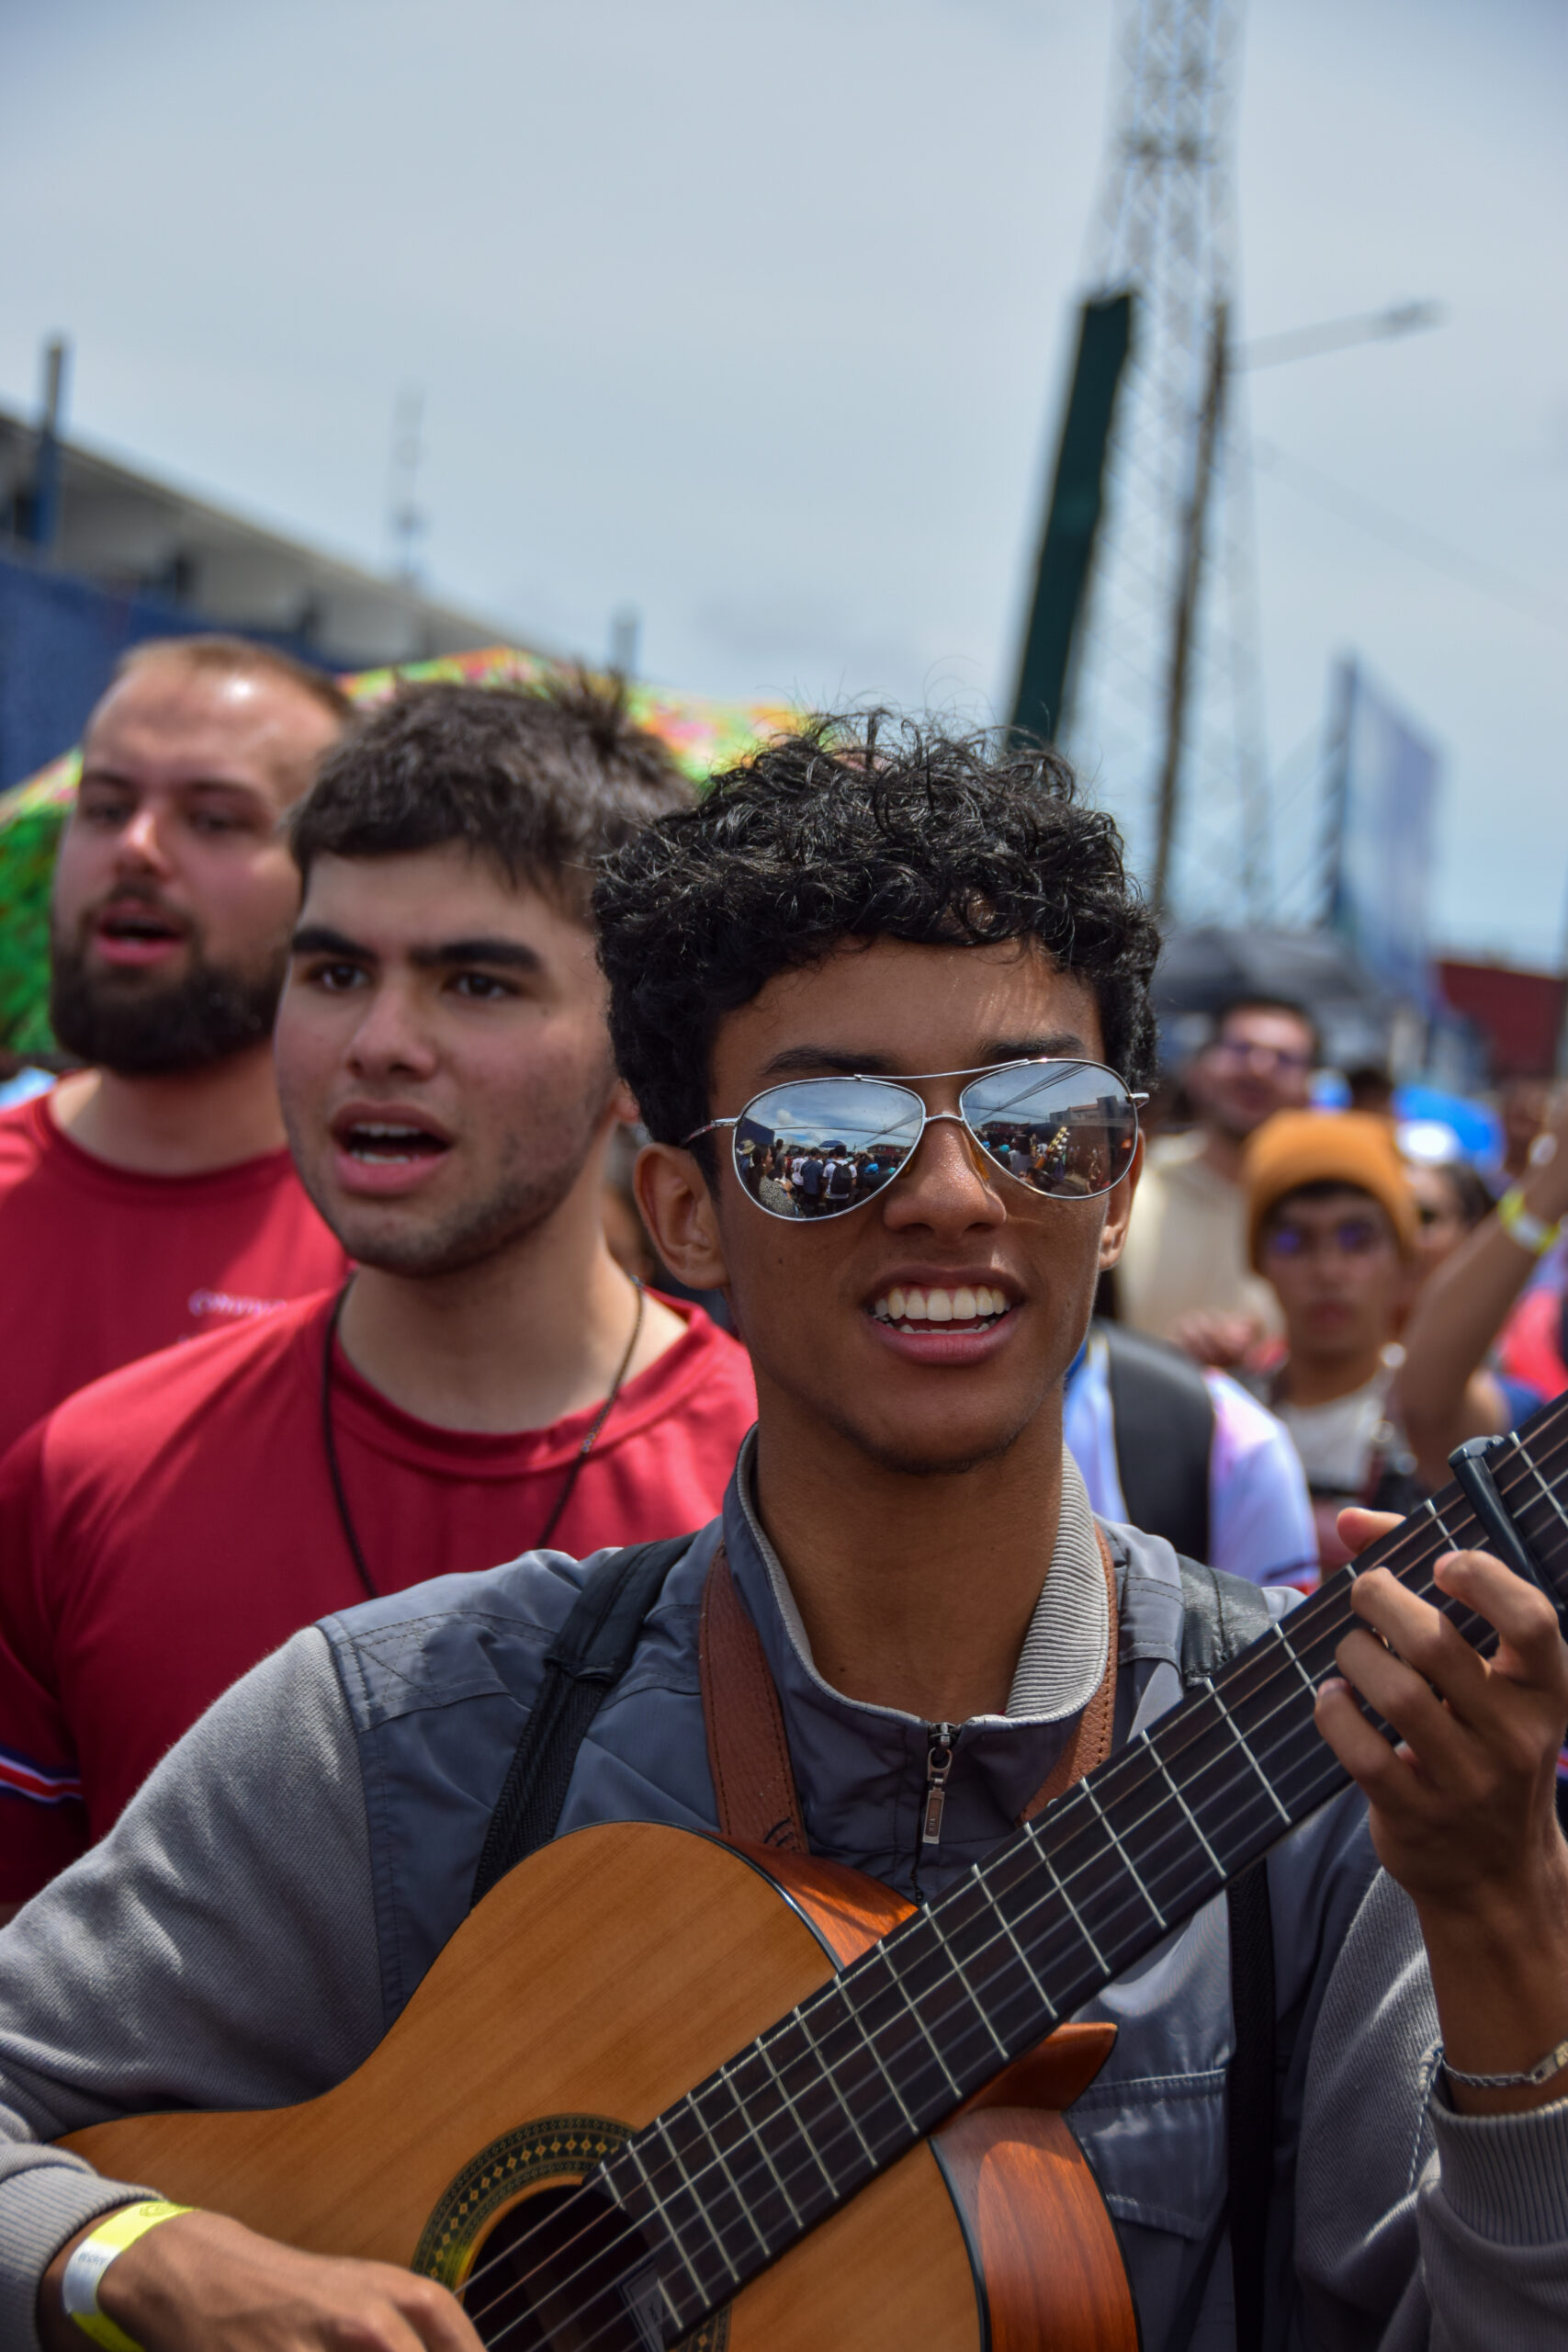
{"x": 99, "y": 1266}
{"x": 169, "y": 1526}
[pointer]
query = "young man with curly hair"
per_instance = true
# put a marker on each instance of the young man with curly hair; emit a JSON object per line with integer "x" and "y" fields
{"x": 911, "y": 946}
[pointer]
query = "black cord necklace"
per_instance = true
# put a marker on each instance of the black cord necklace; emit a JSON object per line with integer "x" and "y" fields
{"x": 334, "y": 1468}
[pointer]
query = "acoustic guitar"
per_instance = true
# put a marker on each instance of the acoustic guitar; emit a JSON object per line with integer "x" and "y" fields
{"x": 657, "y": 2089}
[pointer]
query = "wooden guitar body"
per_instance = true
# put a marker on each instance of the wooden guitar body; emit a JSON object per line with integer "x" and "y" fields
{"x": 597, "y": 1983}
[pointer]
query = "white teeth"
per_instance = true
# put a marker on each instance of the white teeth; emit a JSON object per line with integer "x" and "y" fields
{"x": 980, "y": 1303}
{"x": 380, "y": 1143}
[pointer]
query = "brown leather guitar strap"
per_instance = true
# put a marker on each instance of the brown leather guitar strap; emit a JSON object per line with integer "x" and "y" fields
{"x": 749, "y": 1753}
{"x": 1088, "y": 1742}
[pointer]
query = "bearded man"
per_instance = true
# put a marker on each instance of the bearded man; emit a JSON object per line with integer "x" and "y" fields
{"x": 151, "y": 1195}
{"x": 488, "y": 1379}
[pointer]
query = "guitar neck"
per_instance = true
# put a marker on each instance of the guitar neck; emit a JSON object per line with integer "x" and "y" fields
{"x": 795, "y": 2125}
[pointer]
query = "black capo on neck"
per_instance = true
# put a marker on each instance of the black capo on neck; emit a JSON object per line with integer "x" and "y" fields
{"x": 1472, "y": 1465}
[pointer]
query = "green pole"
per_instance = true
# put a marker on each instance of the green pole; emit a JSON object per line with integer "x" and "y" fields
{"x": 1072, "y": 518}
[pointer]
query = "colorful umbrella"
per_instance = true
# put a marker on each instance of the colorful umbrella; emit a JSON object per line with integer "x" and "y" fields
{"x": 702, "y": 734}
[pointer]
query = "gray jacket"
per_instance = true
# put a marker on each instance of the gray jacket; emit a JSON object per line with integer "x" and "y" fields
{"x": 266, "y": 1905}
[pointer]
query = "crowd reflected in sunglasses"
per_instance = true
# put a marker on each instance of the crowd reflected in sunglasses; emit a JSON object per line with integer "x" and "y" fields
{"x": 817, "y": 1147}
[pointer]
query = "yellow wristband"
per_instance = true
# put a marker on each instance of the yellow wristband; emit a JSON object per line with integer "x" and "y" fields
{"x": 1521, "y": 1225}
{"x": 79, "y": 2289}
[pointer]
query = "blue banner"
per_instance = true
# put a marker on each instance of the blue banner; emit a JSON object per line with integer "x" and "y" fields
{"x": 1385, "y": 780}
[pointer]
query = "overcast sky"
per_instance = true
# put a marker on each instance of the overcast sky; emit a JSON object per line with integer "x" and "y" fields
{"x": 752, "y": 313}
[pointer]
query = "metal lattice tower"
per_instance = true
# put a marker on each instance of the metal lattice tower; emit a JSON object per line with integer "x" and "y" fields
{"x": 1169, "y": 628}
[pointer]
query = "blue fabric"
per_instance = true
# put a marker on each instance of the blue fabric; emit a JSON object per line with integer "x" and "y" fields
{"x": 60, "y": 639}
{"x": 1520, "y": 1398}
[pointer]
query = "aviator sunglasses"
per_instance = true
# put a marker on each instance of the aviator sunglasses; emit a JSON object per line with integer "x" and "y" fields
{"x": 821, "y": 1146}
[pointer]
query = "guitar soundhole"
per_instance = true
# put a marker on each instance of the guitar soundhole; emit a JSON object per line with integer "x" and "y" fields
{"x": 563, "y": 2271}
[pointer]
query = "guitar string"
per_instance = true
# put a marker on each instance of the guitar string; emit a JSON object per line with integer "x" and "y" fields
{"x": 818, "y": 2147}
{"x": 630, "y": 2249}
{"x": 1422, "y": 1529}
{"x": 710, "y": 2279}
{"x": 1421, "y": 1534}
{"x": 616, "y": 2254}
{"x": 616, "y": 2321}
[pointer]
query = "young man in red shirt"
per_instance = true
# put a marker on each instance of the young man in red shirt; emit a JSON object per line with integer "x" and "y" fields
{"x": 487, "y": 1381}
{"x": 150, "y": 1196}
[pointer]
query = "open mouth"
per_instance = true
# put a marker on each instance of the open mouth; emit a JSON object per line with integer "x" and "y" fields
{"x": 962, "y": 1309}
{"x": 138, "y": 925}
{"x": 389, "y": 1144}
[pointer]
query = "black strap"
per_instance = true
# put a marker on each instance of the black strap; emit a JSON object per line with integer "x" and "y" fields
{"x": 1222, "y": 1615}
{"x": 586, "y": 1659}
{"x": 1249, "y": 2099}
{"x": 1163, "y": 1422}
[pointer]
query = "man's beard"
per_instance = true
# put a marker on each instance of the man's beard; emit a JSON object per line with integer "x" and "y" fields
{"x": 140, "y": 1028}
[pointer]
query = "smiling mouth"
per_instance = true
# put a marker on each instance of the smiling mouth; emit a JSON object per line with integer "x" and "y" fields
{"x": 388, "y": 1146}
{"x": 964, "y": 1309}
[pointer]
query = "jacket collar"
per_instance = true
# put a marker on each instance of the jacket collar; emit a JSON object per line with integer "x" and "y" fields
{"x": 861, "y": 1769}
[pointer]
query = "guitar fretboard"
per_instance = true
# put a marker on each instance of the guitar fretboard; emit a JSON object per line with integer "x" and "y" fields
{"x": 726, "y": 2180}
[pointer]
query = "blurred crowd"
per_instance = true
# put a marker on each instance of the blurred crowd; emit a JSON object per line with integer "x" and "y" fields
{"x": 1381, "y": 1294}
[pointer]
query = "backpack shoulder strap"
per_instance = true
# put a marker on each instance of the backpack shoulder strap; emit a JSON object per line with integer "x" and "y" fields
{"x": 585, "y": 1662}
{"x": 1222, "y": 1615}
{"x": 1250, "y": 2099}
{"x": 1163, "y": 1418}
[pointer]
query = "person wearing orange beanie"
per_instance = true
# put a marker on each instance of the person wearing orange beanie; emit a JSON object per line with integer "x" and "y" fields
{"x": 1331, "y": 1225}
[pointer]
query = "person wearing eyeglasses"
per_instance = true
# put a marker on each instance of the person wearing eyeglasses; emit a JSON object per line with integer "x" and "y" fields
{"x": 942, "y": 1637}
{"x": 1332, "y": 1227}
{"x": 1184, "y": 1274}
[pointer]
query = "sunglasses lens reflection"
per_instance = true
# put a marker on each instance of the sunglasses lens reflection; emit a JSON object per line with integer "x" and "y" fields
{"x": 820, "y": 1146}
{"x": 1067, "y": 1131}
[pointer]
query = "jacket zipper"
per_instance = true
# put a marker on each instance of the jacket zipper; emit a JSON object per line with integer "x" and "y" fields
{"x": 939, "y": 1764}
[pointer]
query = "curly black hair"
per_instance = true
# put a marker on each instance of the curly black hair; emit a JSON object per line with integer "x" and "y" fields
{"x": 859, "y": 828}
{"x": 543, "y": 781}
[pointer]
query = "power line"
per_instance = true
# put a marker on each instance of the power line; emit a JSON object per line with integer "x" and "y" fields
{"x": 1339, "y": 335}
{"x": 1411, "y": 539}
